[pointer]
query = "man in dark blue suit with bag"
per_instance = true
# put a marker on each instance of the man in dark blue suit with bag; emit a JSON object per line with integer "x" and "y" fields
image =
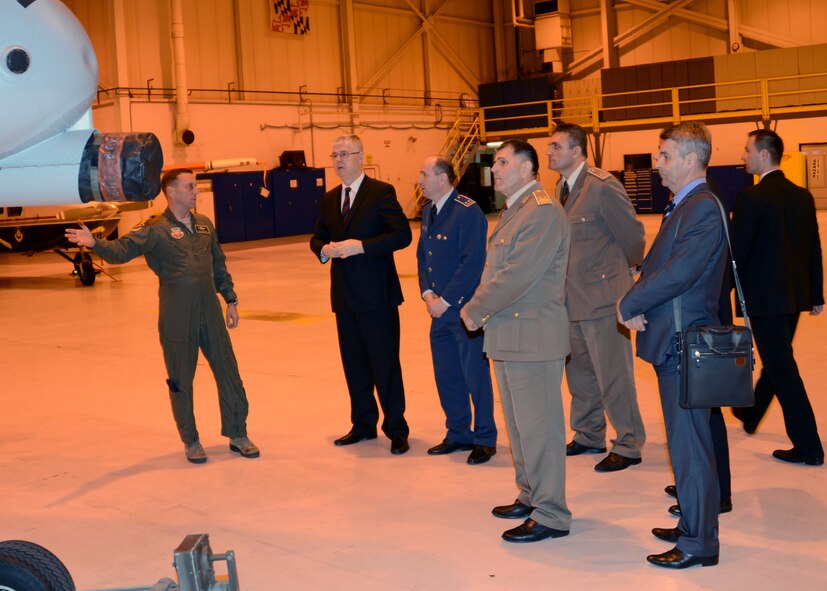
{"x": 450, "y": 259}
{"x": 687, "y": 260}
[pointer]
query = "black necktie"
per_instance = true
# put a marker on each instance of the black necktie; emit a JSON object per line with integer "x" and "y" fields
{"x": 346, "y": 204}
{"x": 564, "y": 193}
{"x": 433, "y": 215}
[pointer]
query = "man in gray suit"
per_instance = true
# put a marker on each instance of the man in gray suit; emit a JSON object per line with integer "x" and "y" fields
{"x": 607, "y": 243}
{"x": 687, "y": 261}
{"x": 521, "y": 305}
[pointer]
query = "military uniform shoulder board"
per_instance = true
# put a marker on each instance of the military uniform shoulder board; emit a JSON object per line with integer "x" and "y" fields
{"x": 464, "y": 200}
{"x": 599, "y": 173}
{"x": 541, "y": 197}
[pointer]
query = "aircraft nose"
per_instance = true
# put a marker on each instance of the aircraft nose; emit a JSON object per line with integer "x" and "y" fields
{"x": 49, "y": 74}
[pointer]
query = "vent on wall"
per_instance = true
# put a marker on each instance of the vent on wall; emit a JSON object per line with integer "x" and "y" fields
{"x": 545, "y": 7}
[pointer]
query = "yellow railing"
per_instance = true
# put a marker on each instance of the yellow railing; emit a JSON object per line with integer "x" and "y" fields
{"x": 458, "y": 147}
{"x": 763, "y": 99}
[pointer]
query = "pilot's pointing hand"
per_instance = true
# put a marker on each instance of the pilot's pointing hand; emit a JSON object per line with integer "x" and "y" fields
{"x": 82, "y": 237}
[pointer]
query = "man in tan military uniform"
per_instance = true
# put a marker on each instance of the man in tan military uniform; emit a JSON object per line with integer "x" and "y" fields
{"x": 181, "y": 248}
{"x": 607, "y": 241}
{"x": 521, "y": 305}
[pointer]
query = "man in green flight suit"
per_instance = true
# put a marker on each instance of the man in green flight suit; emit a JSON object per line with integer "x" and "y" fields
{"x": 181, "y": 248}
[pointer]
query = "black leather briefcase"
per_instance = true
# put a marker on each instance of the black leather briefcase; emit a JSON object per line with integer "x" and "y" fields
{"x": 716, "y": 364}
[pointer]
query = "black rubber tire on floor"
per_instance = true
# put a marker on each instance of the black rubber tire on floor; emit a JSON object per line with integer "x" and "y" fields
{"x": 32, "y": 568}
{"x": 86, "y": 272}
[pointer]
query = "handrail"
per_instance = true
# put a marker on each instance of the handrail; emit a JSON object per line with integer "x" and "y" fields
{"x": 729, "y": 101}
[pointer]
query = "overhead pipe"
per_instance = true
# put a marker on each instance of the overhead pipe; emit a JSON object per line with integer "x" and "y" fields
{"x": 518, "y": 19}
{"x": 184, "y": 136}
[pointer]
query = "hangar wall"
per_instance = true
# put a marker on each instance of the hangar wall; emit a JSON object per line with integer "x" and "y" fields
{"x": 231, "y": 53}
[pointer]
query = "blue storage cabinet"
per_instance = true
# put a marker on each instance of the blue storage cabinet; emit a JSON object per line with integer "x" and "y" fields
{"x": 228, "y": 202}
{"x": 297, "y": 199}
{"x": 292, "y": 206}
{"x": 258, "y": 210}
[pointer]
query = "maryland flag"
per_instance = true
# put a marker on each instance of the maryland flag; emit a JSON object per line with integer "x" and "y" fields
{"x": 289, "y": 16}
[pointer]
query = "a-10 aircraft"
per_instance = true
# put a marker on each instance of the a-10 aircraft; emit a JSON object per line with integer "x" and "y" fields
{"x": 56, "y": 170}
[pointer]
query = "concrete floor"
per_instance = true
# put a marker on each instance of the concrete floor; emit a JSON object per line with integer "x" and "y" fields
{"x": 92, "y": 467}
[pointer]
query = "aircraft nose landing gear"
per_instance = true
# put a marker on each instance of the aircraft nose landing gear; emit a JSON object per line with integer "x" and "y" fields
{"x": 84, "y": 268}
{"x": 25, "y": 566}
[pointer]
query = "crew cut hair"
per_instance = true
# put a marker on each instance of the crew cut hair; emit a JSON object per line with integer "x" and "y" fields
{"x": 171, "y": 176}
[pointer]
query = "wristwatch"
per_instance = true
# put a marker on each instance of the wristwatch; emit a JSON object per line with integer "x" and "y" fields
{"x": 233, "y": 302}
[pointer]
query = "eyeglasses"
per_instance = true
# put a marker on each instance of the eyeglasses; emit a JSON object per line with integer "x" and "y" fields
{"x": 342, "y": 155}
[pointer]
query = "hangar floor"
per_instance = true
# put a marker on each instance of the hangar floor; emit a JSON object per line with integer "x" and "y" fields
{"x": 93, "y": 470}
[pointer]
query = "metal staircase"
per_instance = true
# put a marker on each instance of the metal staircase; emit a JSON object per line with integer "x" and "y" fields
{"x": 459, "y": 147}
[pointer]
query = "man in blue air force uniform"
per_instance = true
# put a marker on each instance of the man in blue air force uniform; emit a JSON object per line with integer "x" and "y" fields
{"x": 450, "y": 259}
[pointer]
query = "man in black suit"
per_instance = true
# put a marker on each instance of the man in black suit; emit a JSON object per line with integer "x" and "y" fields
{"x": 778, "y": 252}
{"x": 360, "y": 226}
{"x": 687, "y": 260}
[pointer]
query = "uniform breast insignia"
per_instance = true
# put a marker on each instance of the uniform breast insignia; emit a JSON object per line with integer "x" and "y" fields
{"x": 541, "y": 197}
{"x": 601, "y": 174}
{"x": 201, "y": 229}
{"x": 176, "y": 232}
{"x": 464, "y": 200}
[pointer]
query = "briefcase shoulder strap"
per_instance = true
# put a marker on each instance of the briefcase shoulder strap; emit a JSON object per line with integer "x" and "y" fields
{"x": 676, "y": 302}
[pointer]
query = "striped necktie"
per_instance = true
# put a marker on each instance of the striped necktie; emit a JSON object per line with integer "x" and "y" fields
{"x": 346, "y": 204}
{"x": 669, "y": 207}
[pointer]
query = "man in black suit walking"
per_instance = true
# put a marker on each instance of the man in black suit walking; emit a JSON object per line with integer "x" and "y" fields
{"x": 685, "y": 267}
{"x": 360, "y": 226}
{"x": 778, "y": 252}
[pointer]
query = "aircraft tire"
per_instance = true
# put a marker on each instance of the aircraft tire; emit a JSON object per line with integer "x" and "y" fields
{"x": 86, "y": 273}
{"x": 25, "y": 566}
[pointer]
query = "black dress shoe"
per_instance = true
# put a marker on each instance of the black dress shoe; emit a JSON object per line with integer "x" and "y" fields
{"x": 481, "y": 454}
{"x": 794, "y": 457}
{"x": 515, "y": 510}
{"x": 531, "y": 531}
{"x": 614, "y": 462}
{"x": 726, "y": 507}
{"x": 354, "y": 437}
{"x": 667, "y": 534}
{"x": 672, "y": 491}
{"x": 448, "y": 447}
{"x": 575, "y": 449}
{"x": 745, "y": 416}
{"x": 674, "y": 558}
{"x": 399, "y": 445}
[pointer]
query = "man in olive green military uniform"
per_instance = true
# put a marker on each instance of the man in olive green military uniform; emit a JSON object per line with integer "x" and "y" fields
{"x": 521, "y": 305}
{"x": 181, "y": 248}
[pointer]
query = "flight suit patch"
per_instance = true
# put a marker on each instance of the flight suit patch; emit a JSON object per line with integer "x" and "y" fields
{"x": 200, "y": 229}
{"x": 176, "y": 233}
{"x": 541, "y": 197}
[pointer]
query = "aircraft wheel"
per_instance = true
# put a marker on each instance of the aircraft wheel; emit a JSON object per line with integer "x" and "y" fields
{"x": 25, "y": 566}
{"x": 86, "y": 272}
